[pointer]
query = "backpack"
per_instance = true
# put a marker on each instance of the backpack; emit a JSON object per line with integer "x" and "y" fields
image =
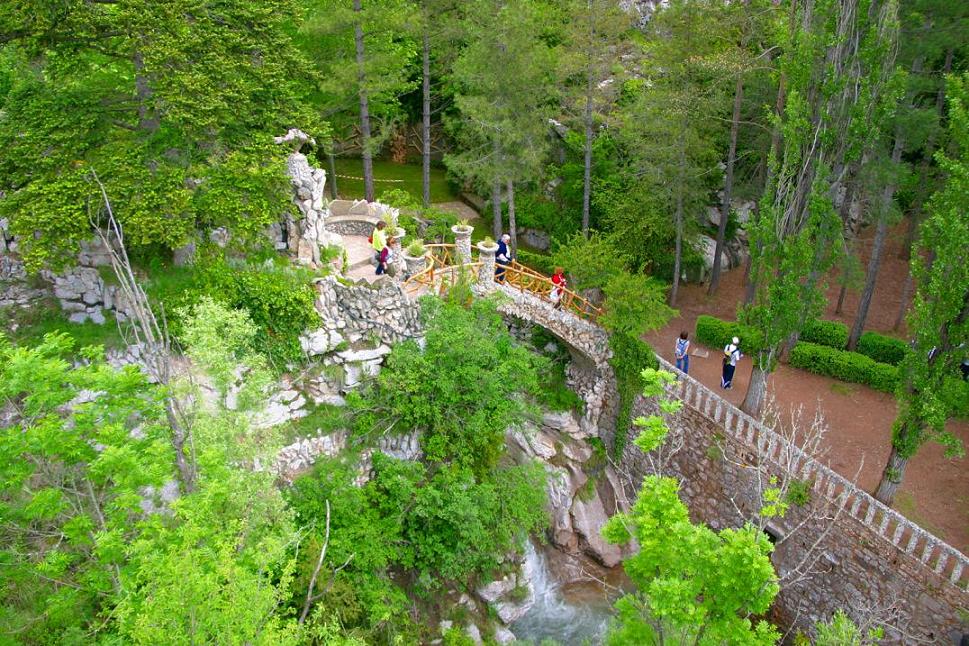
{"x": 727, "y": 354}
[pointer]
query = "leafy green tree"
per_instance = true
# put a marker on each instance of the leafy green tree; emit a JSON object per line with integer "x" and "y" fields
{"x": 504, "y": 95}
{"x": 825, "y": 125}
{"x": 939, "y": 317}
{"x": 669, "y": 129}
{"x": 100, "y": 541}
{"x": 593, "y": 46}
{"x": 462, "y": 390}
{"x": 364, "y": 51}
{"x": 694, "y": 585}
{"x": 173, "y": 104}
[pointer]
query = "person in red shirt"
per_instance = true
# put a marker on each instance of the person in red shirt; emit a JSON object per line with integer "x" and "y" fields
{"x": 558, "y": 286}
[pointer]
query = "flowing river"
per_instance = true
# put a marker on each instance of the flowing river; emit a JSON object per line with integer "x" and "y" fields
{"x": 572, "y": 613}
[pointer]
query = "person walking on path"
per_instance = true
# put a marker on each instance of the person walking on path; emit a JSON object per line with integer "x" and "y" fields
{"x": 384, "y": 258}
{"x": 681, "y": 353}
{"x": 558, "y": 287}
{"x": 378, "y": 240}
{"x": 503, "y": 257}
{"x": 731, "y": 355}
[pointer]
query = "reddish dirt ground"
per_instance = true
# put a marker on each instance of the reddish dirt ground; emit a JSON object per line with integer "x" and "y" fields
{"x": 935, "y": 491}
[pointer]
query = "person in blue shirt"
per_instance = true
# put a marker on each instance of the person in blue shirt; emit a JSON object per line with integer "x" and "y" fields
{"x": 502, "y": 257}
{"x": 681, "y": 353}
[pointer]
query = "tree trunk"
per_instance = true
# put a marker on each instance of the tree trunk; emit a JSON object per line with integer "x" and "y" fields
{"x": 511, "y": 219}
{"x": 841, "y": 299}
{"x": 426, "y": 124}
{"x": 496, "y": 209}
{"x": 332, "y": 160}
{"x": 881, "y": 232}
{"x": 364, "y": 104}
{"x": 727, "y": 188}
{"x": 587, "y": 161}
{"x": 147, "y": 117}
{"x": 678, "y": 254}
{"x": 756, "y": 392}
{"x": 891, "y": 477}
{"x": 906, "y": 297}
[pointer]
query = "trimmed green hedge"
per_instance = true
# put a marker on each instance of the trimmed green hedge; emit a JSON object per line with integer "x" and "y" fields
{"x": 846, "y": 366}
{"x": 715, "y": 333}
{"x": 833, "y": 334}
{"x": 881, "y": 348}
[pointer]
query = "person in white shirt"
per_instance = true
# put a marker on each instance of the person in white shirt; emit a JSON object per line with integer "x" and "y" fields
{"x": 731, "y": 355}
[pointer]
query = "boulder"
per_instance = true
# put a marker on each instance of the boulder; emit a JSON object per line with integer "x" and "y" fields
{"x": 315, "y": 342}
{"x": 563, "y": 422}
{"x": 364, "y": 355}
{"x": 588, "y": 518}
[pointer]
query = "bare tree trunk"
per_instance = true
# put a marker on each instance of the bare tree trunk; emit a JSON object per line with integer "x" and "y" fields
{"x": 906, "y": 297}
{"x": 364, "y": 104}
{"x": 678, "y": 257}
{"x": 147, "y": 117}
{"x": 496, "y": 208}
{"x": 587, "y": 161}
{"x": 891, "y": 477}
{"x": 881, "y": 232}
{"x": 756, "y": 392}
{"x": 587, "y": 170}
{"x": 511, "y": 218}
{"x": 426, "y": 123}
{"x": 727, "y": 188}
{"x": 332, "y": 160}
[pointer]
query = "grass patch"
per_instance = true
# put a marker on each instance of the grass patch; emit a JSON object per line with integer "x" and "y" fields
{"x": 27, "y": 326}
{"x": 905, "y": 505}
{"x": 323, "y": 419}
{"x": 389, "y": 175}
{"x": 847, "y": 390}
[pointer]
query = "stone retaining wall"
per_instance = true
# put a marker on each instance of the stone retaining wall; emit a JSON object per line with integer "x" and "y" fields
{"x": 381, "y": 308}
{"x": 873, "y": 557}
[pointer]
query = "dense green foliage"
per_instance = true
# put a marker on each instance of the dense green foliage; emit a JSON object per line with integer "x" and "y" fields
{"x": 629, "y": 356}
{"x": 884, "y": 349}
{"x": 693, "y": 584}
{"x": 461, "y": 391}
{"x": 173, "y": 105}
{"x": 278, "y": 299}
{"x": 833, "y": 334}
{"x": 142, "y": 556}
{"x": 846, "y": 366}
{"x": 717, "y": 334}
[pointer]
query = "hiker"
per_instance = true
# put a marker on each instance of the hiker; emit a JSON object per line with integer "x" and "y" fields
{"x": 558, "y": 287}
{"x": 731, "y": 355}
{"x": 378, "y": 240}
{"x": 503, "y": 257}
{"x": 681, "y": 353}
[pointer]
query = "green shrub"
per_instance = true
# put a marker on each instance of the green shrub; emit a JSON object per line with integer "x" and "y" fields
{"x": 844, "y": 365}
{"x": 881, "y": 348}
{"x": 833, "y": 334}
{"x": 630, "y": 356}
{"x": 279, "y": 300}
{"x": 715, "y": 333}
{"x": 538, "y": 261}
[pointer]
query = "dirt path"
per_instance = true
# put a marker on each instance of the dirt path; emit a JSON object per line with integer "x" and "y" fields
{"x": 935, "y": 492}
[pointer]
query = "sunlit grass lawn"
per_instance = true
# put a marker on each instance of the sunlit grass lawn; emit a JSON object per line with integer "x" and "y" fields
{"x": 405, "y": 177}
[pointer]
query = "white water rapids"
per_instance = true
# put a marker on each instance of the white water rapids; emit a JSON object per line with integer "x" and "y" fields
{"x": 576, "y": 613}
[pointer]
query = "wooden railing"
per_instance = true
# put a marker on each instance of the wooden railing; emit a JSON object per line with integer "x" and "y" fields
{"x": 528, "y": 280}
{"x": 443, "y": 267}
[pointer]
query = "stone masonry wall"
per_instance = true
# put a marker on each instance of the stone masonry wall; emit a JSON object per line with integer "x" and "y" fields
{"x": 381, "y": 308}
{"x": 873, "y": 557}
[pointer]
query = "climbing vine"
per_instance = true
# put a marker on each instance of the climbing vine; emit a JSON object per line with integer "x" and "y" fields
{"x": 630, "y": 356}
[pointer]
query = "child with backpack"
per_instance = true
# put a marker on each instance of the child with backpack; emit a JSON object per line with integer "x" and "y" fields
{"x": 681, "y": 353}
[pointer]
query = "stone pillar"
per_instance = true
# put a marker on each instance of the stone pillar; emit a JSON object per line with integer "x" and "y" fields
{"x": 414, "y": 265}
{"x": 486, "y": 277}
{"x": 397, "y": 249}
{"x": 462, "y": 243}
